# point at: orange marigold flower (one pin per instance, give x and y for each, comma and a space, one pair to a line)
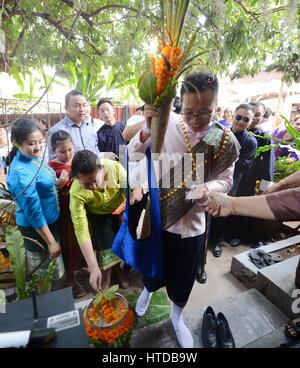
109, 336
167, 66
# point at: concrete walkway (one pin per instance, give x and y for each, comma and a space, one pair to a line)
220, 284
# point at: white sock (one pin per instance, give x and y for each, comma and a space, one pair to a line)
143, 301
183, 334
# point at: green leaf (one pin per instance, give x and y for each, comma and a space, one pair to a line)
265, 148
46, 282
284, 167
32, 284
98, 297
20, 80
16, 249
168, 93
292, 131
110, 293
158, 311
148, 88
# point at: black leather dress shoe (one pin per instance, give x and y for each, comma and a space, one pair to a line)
217, 249
224, 335
209, 329
201, 276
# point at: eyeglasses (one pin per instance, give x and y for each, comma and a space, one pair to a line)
245, 119
190, 116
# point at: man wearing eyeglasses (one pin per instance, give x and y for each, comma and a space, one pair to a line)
184, 228
232, 228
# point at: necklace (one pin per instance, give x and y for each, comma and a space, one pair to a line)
189, 147
194, 165
224, 141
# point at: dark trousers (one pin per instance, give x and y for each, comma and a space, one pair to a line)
227, 228
181, 260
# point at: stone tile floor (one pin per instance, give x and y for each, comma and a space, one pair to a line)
220, 284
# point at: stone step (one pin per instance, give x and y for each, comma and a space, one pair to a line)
277, 283
246, 272
271, 340
251, 316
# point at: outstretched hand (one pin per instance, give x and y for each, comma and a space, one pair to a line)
220, 205
95, 278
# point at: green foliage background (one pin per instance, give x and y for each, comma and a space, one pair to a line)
107, 48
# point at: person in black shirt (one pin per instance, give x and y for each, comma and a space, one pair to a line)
262, 168
110, 134
232, 228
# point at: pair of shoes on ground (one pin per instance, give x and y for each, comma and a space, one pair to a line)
216, 332
217, 249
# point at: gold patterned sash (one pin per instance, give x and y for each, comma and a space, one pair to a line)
173, 203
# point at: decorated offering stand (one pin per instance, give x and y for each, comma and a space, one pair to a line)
109, 319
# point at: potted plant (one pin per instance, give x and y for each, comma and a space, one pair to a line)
25, 283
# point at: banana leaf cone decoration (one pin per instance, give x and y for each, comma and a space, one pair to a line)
157, 86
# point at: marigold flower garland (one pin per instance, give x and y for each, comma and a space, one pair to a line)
167, 66
109, 336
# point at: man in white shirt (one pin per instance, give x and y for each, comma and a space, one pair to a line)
75, 123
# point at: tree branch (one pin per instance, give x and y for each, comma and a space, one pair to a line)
57, 25
274, 10
66, 33
88, 42
83, 52
14, 11
19, 41
83, 15
247, 10
112, 6
87, 16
